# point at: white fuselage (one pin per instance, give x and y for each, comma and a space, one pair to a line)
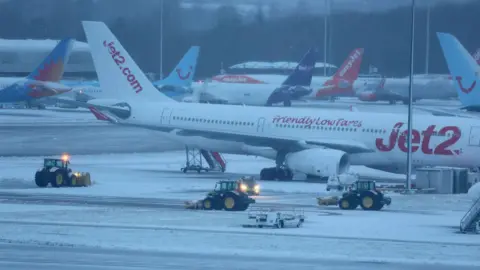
423, 87
240, 129
235, 93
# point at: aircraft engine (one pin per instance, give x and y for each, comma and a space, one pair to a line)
318, 162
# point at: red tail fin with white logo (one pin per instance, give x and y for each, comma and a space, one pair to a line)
342, 81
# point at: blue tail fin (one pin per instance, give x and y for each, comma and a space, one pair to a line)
52, 67
184, 72
302, 75
463, 68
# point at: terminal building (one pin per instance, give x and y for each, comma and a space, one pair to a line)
20, 57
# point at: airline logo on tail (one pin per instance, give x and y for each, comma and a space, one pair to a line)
464, 89
120, 60
186, 76
51, 69
342, 82
352, 58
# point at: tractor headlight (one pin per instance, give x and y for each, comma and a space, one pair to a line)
77, 174
256, 189
243, 187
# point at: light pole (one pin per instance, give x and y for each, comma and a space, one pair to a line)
427, 52
410, 101
325, 37
161, 39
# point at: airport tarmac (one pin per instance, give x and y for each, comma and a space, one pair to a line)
48, 257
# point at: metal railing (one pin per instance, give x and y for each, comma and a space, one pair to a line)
470, 216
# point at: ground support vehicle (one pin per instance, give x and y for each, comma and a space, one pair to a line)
227, 196
57, 173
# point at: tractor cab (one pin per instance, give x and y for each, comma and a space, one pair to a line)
364, 185
57, 162
223, 186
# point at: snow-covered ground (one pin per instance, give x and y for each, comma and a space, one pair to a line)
46, 117
152, 174
351, 236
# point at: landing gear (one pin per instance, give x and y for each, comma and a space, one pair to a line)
281, 173
287, 103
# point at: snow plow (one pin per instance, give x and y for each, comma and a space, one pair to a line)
365, 194
227, 196
57, 173
329, 200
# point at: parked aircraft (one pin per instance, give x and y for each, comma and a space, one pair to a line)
310, 141
42, 82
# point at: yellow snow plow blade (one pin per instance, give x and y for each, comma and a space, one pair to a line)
329, 200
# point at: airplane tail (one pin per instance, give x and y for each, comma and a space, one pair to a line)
184, 72
119, 76
463, 68
53, 66
302, 75
342, 81
476, 56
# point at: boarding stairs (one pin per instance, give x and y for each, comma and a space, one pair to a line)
196, 157
470, 221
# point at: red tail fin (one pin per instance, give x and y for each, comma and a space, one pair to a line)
351, 67
476, 56
342, 81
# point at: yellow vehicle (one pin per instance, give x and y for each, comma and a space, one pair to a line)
329, 200
57, 173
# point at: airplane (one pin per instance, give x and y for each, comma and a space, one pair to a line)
342, 81
426, 86
43, 82
464, 70
315, 142
295, 86
175, 85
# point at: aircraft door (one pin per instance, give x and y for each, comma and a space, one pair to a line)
166, 113
474, 139
260, 124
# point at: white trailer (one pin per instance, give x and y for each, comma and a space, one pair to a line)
276, 219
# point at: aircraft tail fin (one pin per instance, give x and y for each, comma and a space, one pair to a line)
119, 75
350, 67
184, 72
342, 81
476, 56
51, 69
463, 69
302, 75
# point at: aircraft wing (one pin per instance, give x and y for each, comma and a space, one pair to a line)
439, 112
348, 146
116, 110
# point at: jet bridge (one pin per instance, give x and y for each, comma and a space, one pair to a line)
471, 220
195, 158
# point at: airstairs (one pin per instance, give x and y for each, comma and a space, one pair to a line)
196, 157
470, 221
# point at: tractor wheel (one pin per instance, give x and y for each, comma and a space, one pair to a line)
58, 180
207, 204
229, 203
369, 201
40, 180
75, 181
345, 204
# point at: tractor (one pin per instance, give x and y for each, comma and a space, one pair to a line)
227, 196
58, 173
365, 194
